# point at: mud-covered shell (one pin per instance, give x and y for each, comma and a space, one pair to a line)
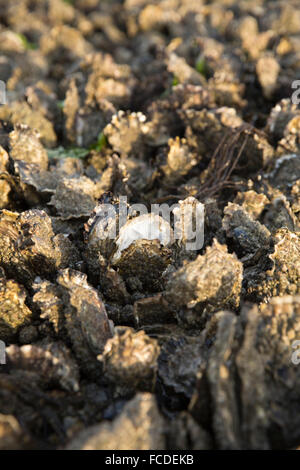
86, 311
213, 281
252, 202
153, 310
184, 432
145, 261
51, 362
279, 214
127, 133
20, 112
282, 275
286, 171
130, 359
248, 235
14, 313
25, 145
180, 160
12, 436
257, 346
178, 364
29, 246
74, 197
140, 426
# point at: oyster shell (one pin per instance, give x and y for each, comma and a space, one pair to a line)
267, 69
183, 72
281, 273
21, 113
130, 359
75, 309
286, 171
144, 260
139, 427
12, 436
257, 346
25, 146
180, 109
179, 361
143, 227
85, 315
180, 160
252, 202
184, 432
4, 160
248, 236
50, 362
126, 134
29, 246
14, 313
107, 80
74, 197
211, 281
206, 129
84, 122
66, 38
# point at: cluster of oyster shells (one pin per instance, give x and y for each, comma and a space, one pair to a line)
117, 330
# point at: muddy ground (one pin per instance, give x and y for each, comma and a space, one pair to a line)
137, 341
